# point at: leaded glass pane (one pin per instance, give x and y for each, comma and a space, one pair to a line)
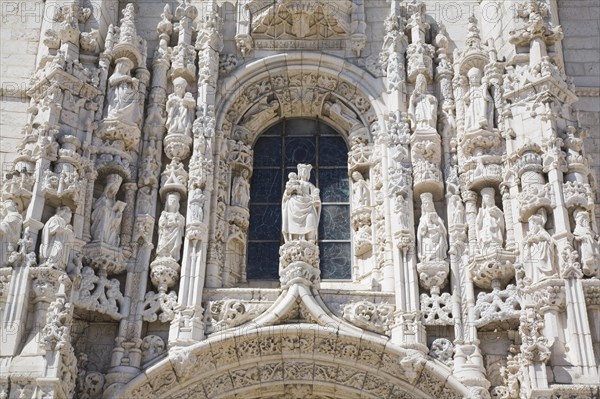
335, 223
334, 185
277, 153
335, 260
300, 150
263, 260
265, 222
267, 152
333, 151
301, 127
266, 186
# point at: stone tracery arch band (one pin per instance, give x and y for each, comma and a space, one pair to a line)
246, 360
278, 76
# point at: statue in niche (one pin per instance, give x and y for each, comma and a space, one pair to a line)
422, 109
11, 226
480, 103
170, 229
300, 206
490, 222
123, 100
539, 250
431, 233
180, 109
360, 191
197, 199
586, 241
240, 190
57, 235
107, 213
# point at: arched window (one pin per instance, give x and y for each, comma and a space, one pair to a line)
276, 153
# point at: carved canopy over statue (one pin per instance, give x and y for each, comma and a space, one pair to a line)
107, 213
422, 109
300, 206
57, 235
123, 100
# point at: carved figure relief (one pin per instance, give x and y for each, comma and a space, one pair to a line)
57, 236
490, 222
123, 97
422, 109
432, 235
361, 196
196, 207
171, 227
11, 225
539, 249
587, 242
480, 103
107, 213
180, 109
240, 190
300, 206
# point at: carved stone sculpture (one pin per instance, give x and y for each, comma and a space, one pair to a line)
196, 207
480, 104
180, 109
11, 225
170, 229
422, 109
107, 213
300, 206
431, 233
490, 222
360, 191
539, 249
123, 99
240, 190
587, 242
57, 236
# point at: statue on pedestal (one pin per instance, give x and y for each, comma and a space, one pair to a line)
431, 233
57, 235
171, 227
107, 213
11, 225
586, 241
490, 222
180, 109
300, 207
123, 100
480, 103
422, 109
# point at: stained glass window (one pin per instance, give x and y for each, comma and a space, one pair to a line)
276, 153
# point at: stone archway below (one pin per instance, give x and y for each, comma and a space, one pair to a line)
291, 361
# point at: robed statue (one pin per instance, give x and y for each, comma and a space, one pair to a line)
300, 207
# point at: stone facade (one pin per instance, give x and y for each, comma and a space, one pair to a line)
131, 159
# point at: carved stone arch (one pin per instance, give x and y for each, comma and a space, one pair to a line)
293, 360
301, 83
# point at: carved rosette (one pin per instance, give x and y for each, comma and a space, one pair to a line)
299, 263
376, 317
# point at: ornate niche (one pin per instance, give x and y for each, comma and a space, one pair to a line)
300, 24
